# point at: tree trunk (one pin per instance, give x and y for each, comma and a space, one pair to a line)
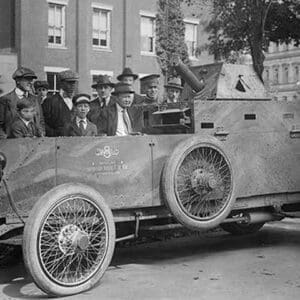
258, 56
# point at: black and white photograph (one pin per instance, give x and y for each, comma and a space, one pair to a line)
150, 149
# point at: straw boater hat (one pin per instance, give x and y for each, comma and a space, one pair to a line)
127, 72
103, 80
123, 88
174, 83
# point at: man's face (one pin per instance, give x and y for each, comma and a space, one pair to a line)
128, 80
42, 92
25, 84
27, 113
152, 92
69, 87
173, 94
125, 100
104, 91
82, 110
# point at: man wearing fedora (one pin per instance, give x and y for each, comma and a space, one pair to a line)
122, 118
58, 108
173, 90
128, 77
151, 87
98, 106
23, 78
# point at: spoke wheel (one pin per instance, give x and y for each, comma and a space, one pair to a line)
68, 240
198, 183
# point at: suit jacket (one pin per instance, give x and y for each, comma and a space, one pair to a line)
71, 129
57, 115
8, 112
138, 99
97, 113
19, 129
110, 120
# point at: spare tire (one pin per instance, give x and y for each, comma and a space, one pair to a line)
198, 183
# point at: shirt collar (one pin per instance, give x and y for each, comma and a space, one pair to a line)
78, 120
63, 94
25, 121
19, 93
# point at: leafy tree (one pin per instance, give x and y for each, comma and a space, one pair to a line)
252, 24
170, 33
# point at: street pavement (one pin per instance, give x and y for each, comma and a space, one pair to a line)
214, 265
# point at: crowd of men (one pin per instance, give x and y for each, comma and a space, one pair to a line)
30, 111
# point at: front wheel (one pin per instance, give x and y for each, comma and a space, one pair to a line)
68, 240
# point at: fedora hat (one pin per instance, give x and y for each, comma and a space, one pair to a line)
103, 80
123, 88
127, 72
175, 83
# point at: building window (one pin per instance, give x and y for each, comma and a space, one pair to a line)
296, 73
56, 24
267, 75
147, 34
101, 27
52, 77
286, 74
276, 76
191, 38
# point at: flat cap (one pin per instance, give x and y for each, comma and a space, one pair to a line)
41, 84
23, 72
68, 75
81, 98
151, 80
123, 88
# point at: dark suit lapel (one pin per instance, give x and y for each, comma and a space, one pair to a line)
75, 128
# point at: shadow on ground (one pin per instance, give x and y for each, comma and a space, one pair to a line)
17, 284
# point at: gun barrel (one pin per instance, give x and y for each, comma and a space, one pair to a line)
189, 77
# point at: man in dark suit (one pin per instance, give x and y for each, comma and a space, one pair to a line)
98, 106
8, 103
129, 77
122, 118
58, 108
80, 125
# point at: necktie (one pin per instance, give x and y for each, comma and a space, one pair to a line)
31, 129
81, 126
127, 121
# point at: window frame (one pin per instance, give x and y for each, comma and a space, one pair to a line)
195, 23
61, 4
107, 9
55, 71
149, 15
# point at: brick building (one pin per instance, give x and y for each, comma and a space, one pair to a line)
90, 36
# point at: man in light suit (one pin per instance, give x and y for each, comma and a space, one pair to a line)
8, 103
80, 125
122, 118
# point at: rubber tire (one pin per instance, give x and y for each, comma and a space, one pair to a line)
168, 191
241, 229
31, 231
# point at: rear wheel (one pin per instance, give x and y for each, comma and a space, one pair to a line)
198, 183
68, 240
241, 228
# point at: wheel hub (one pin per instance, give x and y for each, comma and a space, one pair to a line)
72, 239
202, 181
